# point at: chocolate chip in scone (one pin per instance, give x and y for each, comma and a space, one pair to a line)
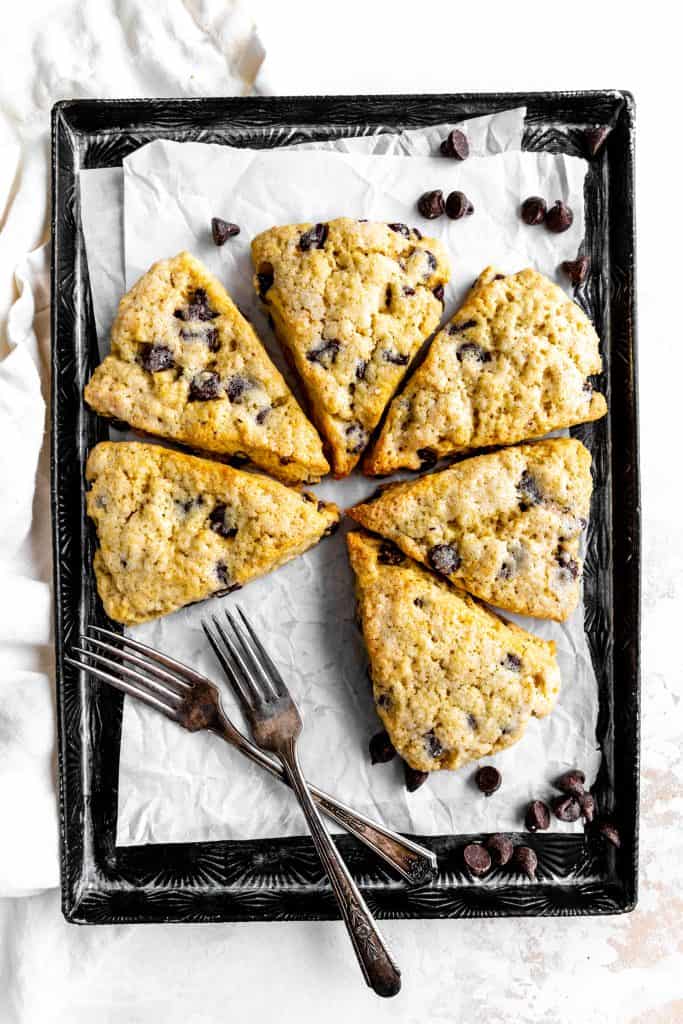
431, 261
572, 782
455, 145
588, 386
431, 204
401, 229
413, 778
314, 238
325, 354
222, 573
433, 744
529, 491
472, 722
525, 860
408, 291
577, 270
501, 849
488, 779
533, 210
383, 700
361, 367
568, 565
356, 438
221, 521
458, 328
397, 358
204, 387
428, 457
389, 554
438, 293
559, 217
444, 558
609, 833
566, 808
155, 358
477, 859
587, 802
537, 817
381, 748
594, 138
512, 662
237, 386
262, 414
198, 308
222, 230
265, 278
458, 206
388, 295
418, 602
470, 350
417, 234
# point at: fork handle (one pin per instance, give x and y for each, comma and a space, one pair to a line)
379, 969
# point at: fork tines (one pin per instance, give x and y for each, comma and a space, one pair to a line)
246, 662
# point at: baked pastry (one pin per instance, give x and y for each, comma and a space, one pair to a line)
174, 529
452, 682
505, 527
514, 363
351, 302
186, 365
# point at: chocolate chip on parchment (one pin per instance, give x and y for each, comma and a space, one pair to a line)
501, 849
571, 781
381, 748
477, 859
431, 204
533, 210
413, 778
314, 238
458, 206
204, 387
455, 145
155, 358
222, 230
525, 860
488, 779
566, 808
577, 270
537, 817
444, 558
559, 218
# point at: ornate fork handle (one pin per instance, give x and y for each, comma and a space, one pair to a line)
381, 973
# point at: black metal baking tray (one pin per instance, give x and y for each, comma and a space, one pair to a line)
281, 878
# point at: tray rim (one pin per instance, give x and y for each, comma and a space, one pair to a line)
77, 903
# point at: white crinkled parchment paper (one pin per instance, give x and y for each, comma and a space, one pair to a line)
174, 786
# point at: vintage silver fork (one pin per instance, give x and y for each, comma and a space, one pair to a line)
192, 700
276, 725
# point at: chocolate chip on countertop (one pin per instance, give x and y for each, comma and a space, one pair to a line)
594, 138
500, 848
572, 782
455, 145
444, 558
314, 238
533, 210
577, 270
587, 802
559, 217
477, 859
431, 204
381, 748
609, 833
222, 230
488, 779
525, 860
537, 818
413, 778
458, 205
567, 808
204, 387
155, 358
389, 554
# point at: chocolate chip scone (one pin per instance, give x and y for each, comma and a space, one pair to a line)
506, 527
174, 529
452, 682
186, 365
351, 302
514, 363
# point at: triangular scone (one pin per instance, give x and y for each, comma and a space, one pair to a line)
174, 529
186, 365
505, 527
452, 682
514, 363
351, 302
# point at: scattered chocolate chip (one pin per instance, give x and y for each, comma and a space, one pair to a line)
265, 282
222, 573
427, 457
566, 808
444, 558
470, 350
559, 217
512, 662
431, 204
572, 782
222, 230
314, 238
458, 206
610, 833
455, 145
577, 270
221, 522
533, 210
389, 554
356, 438
433, 744
537, 816
237, 387
568, 564
458, 328
500, 848
384, 700
413, 778
262, 414
587, 802
525, 860
408, 291
401, 229
594, 138
477, 859
397, 358
381, 748
204, 387
488, 779
325, 354
155, 358
198, 308
529, 491
438, 293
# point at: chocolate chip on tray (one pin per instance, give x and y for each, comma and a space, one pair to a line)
444, 558
381, 748
477, 859
488, 779
537, 818
566, 808
500, 848
572, 782
431, 204
577, 270
525, 860
559, 217
458, 205
533, 210
455, 145
222, 230
413, 778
